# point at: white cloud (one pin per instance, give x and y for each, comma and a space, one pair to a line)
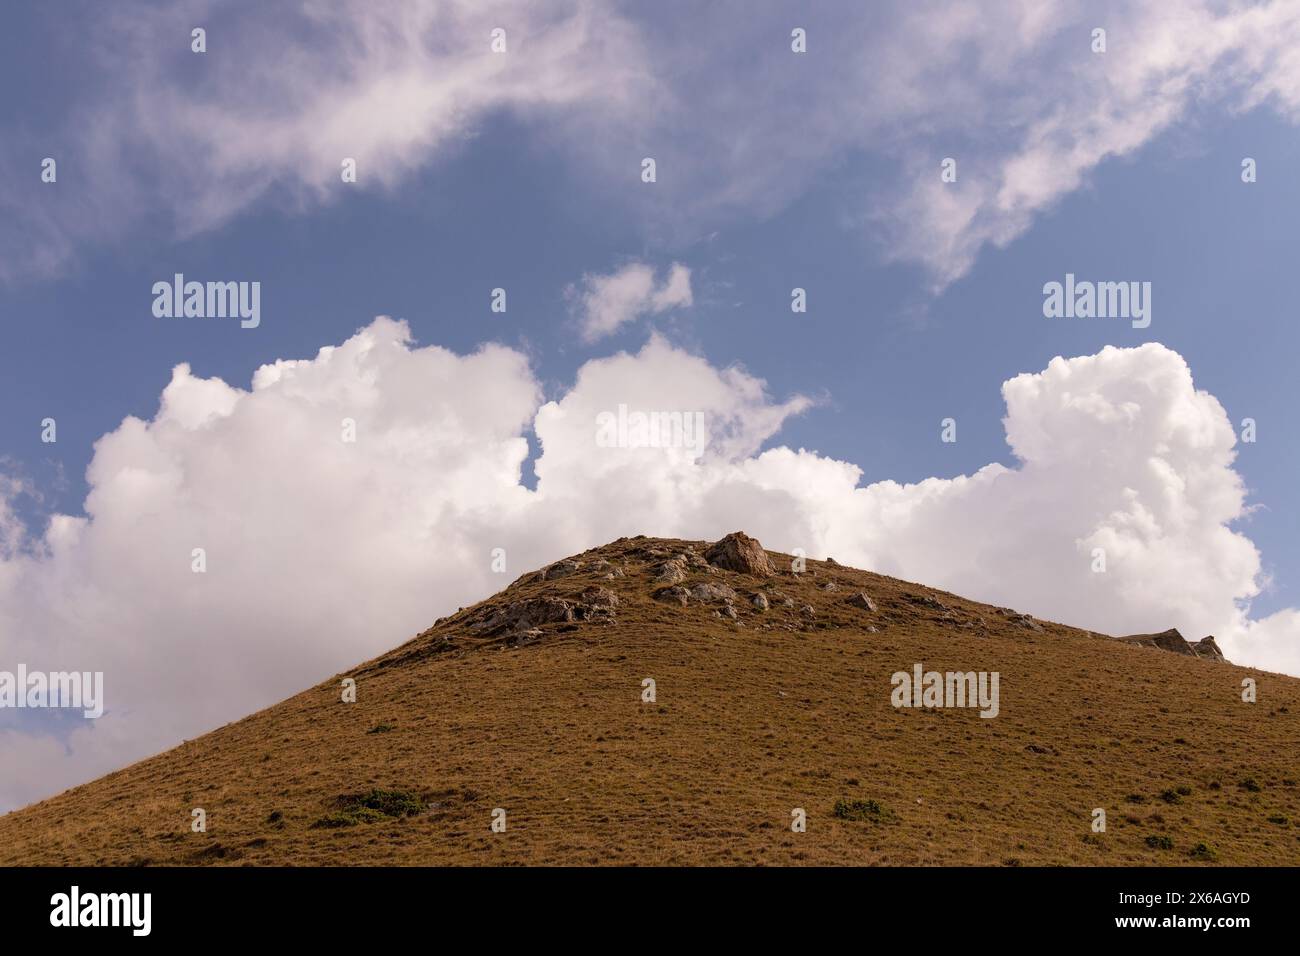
284, 94
605, 303
1053, 110
323, 553
1010, 89
740, 126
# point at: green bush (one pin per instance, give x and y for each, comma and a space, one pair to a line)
391, 803
862, 810
372, 806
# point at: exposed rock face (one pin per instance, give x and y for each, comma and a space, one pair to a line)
703, 579
674, 595
1020, 620
1170, 640
1206, 647
599, 597
693, 560
861, 600
927, 600
708, 592
523, 616
560, 569
1173, 640
606, 570
741, 553
671, 572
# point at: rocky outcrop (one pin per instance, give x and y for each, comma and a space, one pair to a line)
1172, 640
597, 597
673, 595
740, 553
606, 570
519, 616
863, 601
1018, 619
1206, 647
927, 601
735, 580
708, 592
525, 617
560, 569
671, 572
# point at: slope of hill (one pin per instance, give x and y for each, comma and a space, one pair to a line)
772, 694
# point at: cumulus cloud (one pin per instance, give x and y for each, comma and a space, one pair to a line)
322, 552
739, 125
605, 303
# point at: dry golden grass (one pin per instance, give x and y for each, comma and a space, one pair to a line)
750, 722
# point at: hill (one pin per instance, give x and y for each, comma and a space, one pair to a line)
773, 692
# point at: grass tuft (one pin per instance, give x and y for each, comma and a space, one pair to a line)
862, 810
371, 807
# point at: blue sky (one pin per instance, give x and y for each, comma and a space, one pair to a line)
533, 198
891, 358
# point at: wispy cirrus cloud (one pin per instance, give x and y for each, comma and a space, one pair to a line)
739, 124
160, 136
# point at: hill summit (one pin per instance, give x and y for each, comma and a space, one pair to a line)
665, 701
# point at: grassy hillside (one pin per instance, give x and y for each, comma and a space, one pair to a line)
532, 702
